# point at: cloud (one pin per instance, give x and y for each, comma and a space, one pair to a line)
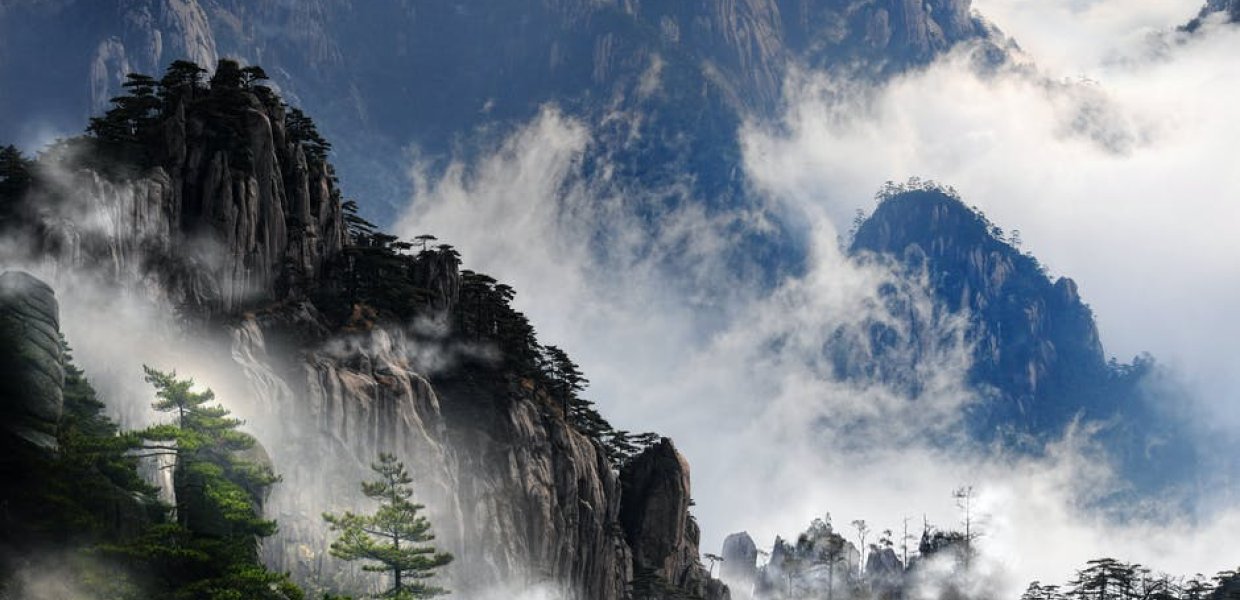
1122, 182
1119, 180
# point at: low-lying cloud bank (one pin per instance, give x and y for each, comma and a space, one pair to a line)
1122, 182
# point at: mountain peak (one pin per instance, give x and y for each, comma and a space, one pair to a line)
1036, 346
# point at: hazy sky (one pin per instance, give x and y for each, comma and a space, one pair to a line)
1111, 152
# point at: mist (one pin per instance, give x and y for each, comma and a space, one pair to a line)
1106, 165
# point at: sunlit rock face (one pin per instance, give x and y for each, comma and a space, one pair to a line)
514, 493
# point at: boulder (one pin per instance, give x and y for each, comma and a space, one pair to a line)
32, 360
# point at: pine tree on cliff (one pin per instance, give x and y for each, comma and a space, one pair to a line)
393, 539
15, 179
211, 551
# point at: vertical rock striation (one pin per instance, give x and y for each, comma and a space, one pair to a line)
32, 387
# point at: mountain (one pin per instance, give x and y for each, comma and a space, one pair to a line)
662, 86
1038, 365
213, 199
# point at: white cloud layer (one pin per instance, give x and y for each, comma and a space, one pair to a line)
1122, 181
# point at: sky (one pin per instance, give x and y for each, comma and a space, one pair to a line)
1109, 148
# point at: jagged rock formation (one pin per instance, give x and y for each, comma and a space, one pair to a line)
885, 573
820, 563
31, 390
225, 210
217, 223
740, 561
655, 504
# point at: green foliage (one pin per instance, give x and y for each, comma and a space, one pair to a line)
1111, 579
210, 551
15, 179
94, 458
392, 540
302, 130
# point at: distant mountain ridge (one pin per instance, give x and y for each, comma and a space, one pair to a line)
381, 76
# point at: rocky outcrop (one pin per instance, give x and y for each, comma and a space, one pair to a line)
491, 457
227, 212
214, 227
31, 390
1037, 363
656, 521
885, 573
740, 562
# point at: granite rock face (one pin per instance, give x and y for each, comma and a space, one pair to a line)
213, 227
31, 358
655, 517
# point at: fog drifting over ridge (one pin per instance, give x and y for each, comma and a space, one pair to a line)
1120, 181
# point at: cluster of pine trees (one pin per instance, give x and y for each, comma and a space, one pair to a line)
1111, 579
379, 277
403, 280
93, 506
97, 514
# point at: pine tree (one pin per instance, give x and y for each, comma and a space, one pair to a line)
211, 550
393, 538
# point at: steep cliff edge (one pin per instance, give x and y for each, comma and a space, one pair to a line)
208, 191
338, 342
656, 503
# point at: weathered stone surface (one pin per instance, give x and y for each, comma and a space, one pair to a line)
32, 363
212, 235
655, 516
518, 496
740, 561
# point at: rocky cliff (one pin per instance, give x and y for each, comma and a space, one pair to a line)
32, 389
335, 345
656, 503
223, 211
